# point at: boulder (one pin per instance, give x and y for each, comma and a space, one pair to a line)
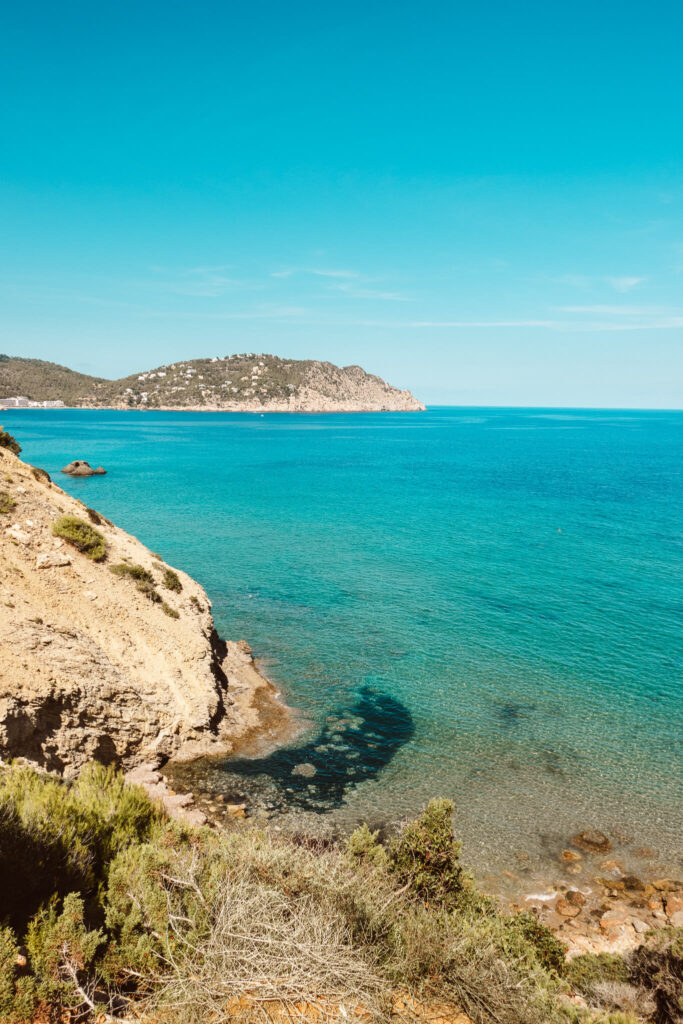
81, 468
592, 841
52, 560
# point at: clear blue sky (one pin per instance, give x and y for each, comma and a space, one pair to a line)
482, 202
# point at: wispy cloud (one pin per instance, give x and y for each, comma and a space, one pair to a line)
621, 284
203, 282
356, 292
334, 273
624, 284
279, 313
617, 310
318, 271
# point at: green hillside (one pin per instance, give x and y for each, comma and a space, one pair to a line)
43, 381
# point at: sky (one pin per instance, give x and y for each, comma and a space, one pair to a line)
481, 202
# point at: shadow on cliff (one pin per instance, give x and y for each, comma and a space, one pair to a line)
353, 746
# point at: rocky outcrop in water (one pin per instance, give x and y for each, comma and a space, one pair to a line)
81, 468
117, 666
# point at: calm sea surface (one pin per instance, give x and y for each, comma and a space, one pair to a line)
484, 604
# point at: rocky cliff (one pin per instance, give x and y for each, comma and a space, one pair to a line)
236, 383
123, 665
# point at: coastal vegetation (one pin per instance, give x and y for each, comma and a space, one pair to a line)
7, 503
171, 581
82, 536
7, 441
113, 912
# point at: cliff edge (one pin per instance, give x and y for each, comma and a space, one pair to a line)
121, 666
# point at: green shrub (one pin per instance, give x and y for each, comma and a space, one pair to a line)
62, 951
171, 581
363, 847
143, 579
57, 838
426, 856
81, 536
7, 503
586, 971
133, 572
657, 966
551, 953
171, 612
17, 994
7, 441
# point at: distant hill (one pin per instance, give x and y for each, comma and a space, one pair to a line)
44, 382
246, 382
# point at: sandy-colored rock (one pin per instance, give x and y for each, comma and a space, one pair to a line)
673, 903
82, 468
566, 909
90, 668
52, 560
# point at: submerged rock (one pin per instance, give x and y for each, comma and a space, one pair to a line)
81, 468
592, 841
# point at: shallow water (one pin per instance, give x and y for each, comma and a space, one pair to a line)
483, 604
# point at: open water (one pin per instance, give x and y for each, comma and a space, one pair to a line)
484, 604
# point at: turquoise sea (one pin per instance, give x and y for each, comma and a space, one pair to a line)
484, 604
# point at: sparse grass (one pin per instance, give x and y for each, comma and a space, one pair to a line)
194, 601
7, 503
82, 536
171, 612
171, 581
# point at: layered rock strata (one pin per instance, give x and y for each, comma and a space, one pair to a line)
94, 664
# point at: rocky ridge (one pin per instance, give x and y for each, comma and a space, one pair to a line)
93, 666
246, 382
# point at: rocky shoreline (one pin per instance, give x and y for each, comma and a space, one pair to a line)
106, 652
600, 907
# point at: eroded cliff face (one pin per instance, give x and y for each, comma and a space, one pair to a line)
90, 666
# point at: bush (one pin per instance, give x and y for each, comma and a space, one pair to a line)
56, 838
550, 951
143, 579
7, 503
426, 856
7, 441
133, 572
171, 612
17, 994
171, 581
586, 971
658, 966
363, 847
81, 536
62, 952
